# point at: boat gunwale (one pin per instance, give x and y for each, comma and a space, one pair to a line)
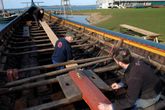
147, 45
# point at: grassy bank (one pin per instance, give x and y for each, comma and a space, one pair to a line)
152, 19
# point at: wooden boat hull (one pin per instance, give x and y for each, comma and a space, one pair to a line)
7, 19
30, 81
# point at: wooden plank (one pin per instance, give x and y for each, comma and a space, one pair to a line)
50, 105
70, 90
71, 65
96, 80
142, 31
26, 32
53, 38
90, 93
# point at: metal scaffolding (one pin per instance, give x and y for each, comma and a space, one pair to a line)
66, 7
1, 6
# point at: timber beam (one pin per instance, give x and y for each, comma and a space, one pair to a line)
90, 93
49, 66
32, 41
56, 73
30, 52
70, 90
45, 67
47, 50
30, 46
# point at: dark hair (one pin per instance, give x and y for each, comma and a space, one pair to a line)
122, 55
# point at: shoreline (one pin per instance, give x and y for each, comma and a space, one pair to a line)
95, 18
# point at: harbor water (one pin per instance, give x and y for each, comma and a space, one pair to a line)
2, 25
77, 18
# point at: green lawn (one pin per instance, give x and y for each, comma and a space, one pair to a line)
152, 19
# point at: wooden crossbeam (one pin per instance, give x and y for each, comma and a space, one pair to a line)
33, 41
69, 88
55, 73
90, 93
52, 104
96, 80
31, 46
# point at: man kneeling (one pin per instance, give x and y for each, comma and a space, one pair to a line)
143, 85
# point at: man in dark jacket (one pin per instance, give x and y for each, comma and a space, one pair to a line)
143, 85
38, 14
63, 50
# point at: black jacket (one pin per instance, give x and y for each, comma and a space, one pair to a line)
62, 51
141, 81
38, 14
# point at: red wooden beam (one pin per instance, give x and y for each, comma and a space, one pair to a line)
90, 93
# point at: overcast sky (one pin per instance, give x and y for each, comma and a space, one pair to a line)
18, 4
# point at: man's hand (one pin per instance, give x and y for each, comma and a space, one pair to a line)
103, 106
116, 86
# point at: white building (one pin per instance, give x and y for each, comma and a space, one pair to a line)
104, 3
128, 3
